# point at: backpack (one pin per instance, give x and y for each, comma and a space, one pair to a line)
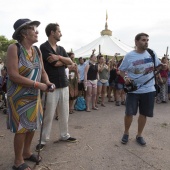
80, 104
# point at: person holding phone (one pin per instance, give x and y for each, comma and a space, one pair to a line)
26, 77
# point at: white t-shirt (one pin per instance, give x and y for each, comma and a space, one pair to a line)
135, 65
67, 72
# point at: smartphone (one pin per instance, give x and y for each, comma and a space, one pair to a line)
51, 87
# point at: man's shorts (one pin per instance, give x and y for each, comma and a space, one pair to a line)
81, 86
144, 101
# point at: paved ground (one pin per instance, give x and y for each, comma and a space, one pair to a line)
98, 146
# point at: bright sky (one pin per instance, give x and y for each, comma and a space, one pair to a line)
81, 21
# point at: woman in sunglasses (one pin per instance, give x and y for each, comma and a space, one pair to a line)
25, 69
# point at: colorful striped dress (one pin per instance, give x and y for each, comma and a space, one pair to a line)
24, 103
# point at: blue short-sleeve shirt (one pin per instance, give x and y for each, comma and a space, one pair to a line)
136, 65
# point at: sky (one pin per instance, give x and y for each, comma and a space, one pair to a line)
81, 21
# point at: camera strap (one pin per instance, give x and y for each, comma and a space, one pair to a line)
155, 68
153, 57
155, 73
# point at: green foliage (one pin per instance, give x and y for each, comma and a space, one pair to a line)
4, 43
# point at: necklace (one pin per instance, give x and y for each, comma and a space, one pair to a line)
29, 54
32, 54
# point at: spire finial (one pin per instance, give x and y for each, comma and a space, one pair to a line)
106, 16
106, 26
106, 31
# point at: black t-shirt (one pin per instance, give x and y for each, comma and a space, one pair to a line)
56, 75
113, 75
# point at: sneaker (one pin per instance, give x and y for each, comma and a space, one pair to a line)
164, 102
140, 140
117, 103
158, 101
70, 139
39, 147
125, 139
123, 103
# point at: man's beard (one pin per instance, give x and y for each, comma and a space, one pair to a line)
57, 39
146, 46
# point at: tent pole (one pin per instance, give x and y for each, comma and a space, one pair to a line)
166, 52
99, 49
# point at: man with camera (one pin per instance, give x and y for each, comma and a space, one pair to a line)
136, 68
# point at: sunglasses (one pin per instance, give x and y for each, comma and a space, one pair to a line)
33, 27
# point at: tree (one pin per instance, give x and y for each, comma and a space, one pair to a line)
4, 43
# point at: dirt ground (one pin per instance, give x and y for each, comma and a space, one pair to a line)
98, 147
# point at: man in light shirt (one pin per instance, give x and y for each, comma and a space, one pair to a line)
138, 66
81, 68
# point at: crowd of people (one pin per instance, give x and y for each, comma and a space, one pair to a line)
54, 72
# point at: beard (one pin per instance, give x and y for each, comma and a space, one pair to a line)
146, 46
58, 39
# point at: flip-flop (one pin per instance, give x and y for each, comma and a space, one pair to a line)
21, 167
33, 158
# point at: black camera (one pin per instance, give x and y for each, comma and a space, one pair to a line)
132, 86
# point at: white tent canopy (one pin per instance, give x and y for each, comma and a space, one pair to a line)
108, 46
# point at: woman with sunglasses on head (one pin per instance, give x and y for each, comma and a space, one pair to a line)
25, 69
102, 83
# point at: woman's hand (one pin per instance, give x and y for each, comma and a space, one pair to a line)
49, 87
106, 66
42, 86
161, 81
